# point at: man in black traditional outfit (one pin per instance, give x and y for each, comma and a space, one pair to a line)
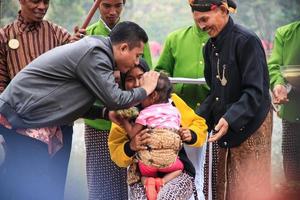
238, 106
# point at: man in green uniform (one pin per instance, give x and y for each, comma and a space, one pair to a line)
182, 57
286, 53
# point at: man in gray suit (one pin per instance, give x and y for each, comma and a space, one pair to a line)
55, 89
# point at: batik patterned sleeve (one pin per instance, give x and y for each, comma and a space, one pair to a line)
4, 76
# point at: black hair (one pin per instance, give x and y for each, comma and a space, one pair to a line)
164, 88
142, 65
128, 32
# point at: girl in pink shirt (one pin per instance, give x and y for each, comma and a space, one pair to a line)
161, 154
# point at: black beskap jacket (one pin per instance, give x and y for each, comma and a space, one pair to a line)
244, 101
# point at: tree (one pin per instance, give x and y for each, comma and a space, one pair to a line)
66, 13
8, 11
163, 16
264, 17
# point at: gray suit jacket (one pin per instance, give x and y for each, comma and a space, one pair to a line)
61, 85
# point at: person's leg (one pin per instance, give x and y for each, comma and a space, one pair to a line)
105, 179
137, 192
291, 150
177, 165
180, 187
248, 168
148, 173
170, 172
146, 170
197, 156
58, 164
25, 173
212, 177
170, 176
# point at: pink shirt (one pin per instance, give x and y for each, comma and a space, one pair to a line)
163, 115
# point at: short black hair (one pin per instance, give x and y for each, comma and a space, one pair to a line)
128, 32
142, 66
164, 88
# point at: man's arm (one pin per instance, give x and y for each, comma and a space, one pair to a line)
275, 61
95, 71
277, 82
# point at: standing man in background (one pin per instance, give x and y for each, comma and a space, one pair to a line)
105, 179
182, 57
21, 42
286, 52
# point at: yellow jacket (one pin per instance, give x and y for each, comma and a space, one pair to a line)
189, 119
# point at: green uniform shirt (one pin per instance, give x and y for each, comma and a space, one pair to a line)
100, 28
286, 51
182, 57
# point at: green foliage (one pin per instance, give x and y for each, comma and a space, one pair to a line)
161, 18
8, 11
264, 17
66, 13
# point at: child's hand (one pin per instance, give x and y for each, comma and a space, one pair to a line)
185, 134
129, 113
123, 121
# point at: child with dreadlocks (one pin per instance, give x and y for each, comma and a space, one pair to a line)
160, 157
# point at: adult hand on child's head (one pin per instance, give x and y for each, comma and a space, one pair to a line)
140, 140
185, 134
149, 81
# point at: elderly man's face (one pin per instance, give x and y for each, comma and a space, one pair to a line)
212, 21
34, 10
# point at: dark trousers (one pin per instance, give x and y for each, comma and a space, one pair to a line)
29, 172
